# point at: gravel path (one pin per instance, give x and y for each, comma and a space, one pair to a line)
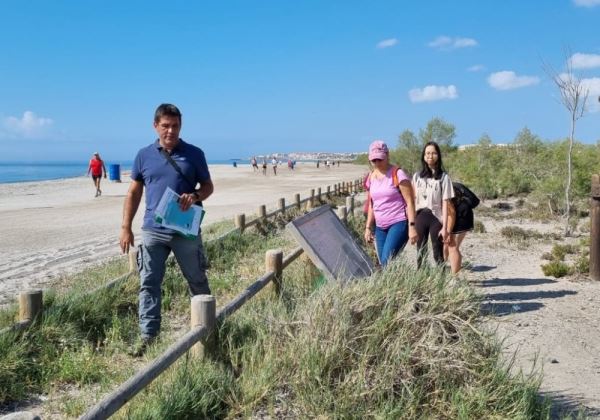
552, 324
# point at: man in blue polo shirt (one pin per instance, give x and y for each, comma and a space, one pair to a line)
168, 162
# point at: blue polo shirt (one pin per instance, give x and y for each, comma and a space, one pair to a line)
153, 169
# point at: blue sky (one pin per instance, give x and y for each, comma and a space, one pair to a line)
254, 77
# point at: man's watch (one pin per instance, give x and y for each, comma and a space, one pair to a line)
411, 223
195, 194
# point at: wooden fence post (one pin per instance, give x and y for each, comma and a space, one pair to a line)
335, 189
319, 194
262, 212
204, 313
350, 204
328, 191
240, 222
133, 268
282, 205
312, 197
595, 230
297, 200
274, 263
341, 212
30, 304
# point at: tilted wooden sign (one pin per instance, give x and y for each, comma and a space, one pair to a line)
330, 246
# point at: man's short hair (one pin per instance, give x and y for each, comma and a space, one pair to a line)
168, 110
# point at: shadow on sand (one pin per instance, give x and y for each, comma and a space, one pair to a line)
506, 303
512, 282
533, 295
569, 406
503, 308
481, 268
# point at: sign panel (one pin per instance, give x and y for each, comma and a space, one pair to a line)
330, 246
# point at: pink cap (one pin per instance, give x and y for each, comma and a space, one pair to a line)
378, 150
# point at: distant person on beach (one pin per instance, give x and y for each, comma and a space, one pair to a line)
391, 205
274, 164
168, 162
433, 191
254, 164
96, 167
264, 167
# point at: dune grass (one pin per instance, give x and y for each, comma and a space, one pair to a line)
403, 344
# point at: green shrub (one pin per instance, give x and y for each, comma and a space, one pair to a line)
479, 227
582, 265
519, 234
559, 251
555, 269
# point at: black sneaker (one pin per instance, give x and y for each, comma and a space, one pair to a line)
140, 348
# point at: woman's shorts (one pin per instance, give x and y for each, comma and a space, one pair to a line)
464, 219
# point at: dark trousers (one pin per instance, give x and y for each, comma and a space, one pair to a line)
428, 225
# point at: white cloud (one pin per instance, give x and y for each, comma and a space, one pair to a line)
585, 61
29, 126
386, 43
592, 84
506, 80
433, 93
476, 67
447, 43
586, 3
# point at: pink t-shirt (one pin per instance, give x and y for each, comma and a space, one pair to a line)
389, 206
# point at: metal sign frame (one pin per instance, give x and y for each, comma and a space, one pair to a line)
333, 251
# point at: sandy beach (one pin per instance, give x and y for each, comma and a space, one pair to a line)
52, 228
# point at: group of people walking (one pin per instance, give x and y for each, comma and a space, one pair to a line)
418, 209
400, 209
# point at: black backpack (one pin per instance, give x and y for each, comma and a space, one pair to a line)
463, 195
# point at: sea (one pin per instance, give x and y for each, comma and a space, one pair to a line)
45, 171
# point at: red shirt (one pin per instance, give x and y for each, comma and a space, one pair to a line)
96, 166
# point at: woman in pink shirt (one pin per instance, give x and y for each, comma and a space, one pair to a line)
391, 208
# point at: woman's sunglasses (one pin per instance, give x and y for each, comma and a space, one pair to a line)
376, 160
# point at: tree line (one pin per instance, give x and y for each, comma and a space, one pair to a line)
527, 166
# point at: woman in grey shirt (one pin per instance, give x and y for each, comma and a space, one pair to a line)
433, 189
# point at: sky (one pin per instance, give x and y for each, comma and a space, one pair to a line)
258, 77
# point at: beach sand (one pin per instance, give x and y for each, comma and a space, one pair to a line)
53, 228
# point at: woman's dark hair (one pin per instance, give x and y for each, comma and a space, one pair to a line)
426, 172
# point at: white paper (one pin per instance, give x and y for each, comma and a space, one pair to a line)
169, 215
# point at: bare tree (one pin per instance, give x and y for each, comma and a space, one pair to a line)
573, 96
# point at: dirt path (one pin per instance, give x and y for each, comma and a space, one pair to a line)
553, 321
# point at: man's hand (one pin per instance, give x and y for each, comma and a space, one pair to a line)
126, 240
186, 201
